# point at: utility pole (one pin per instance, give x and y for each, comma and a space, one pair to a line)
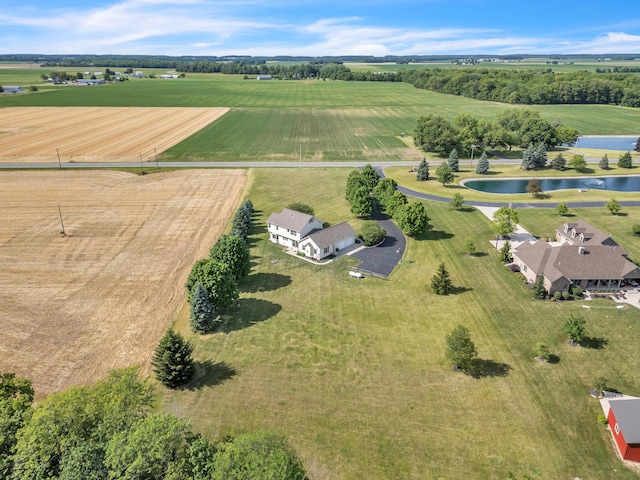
141, 167
61, 222
59, 164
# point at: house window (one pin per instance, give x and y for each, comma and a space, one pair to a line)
295, 244
524, 268
617, 429
326, 249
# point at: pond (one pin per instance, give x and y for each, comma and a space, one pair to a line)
628, 183
608, 143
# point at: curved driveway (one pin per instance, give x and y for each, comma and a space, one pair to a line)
382, 259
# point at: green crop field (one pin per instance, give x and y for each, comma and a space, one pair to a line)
353, 371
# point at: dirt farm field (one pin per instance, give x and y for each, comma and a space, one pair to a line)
96, 134
73, 307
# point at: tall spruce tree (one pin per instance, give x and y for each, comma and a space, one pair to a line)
625, 161
461, 351
604, 162
172, 362
423, 171
440, 282
454, 161
483, 164
233, 251
539, 292
203, 317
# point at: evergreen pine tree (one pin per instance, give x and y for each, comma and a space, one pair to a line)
172, 362
505, 254
558, 162
423, 171
203, 317
454, 160
529, 158
539, 292
483, 164
604, 162
440, 282
625, 161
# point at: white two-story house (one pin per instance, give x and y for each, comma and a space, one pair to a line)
289, 227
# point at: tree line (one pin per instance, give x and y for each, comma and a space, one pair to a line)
109, 431
510, 128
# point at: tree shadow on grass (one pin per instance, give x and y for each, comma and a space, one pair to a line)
465, 209
595, 343
459, 290
434, 235
482, 368
251, 311
264, 282
209, 374
477, 254
620, 214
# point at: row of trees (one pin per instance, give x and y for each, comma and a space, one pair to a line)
530, 87
510, 128
364, 187
108, 431
212, 286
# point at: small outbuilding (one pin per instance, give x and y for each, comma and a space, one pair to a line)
623, 416
264, 77
12, 89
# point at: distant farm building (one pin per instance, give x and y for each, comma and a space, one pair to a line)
170, 75
91, 81
264, 77
13, 89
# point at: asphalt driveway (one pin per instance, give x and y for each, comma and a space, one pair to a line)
382, 259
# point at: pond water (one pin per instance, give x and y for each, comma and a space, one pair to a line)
608, 143
629, 183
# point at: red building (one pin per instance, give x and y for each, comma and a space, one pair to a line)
624, 421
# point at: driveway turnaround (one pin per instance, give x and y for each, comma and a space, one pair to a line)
382, 259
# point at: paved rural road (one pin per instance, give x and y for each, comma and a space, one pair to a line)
378, 165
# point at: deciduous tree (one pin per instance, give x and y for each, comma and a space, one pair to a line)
578, 163
362, 203
234, 252
505, 221
412, 218
575, 328
16, 396
457, 201
444, 174
370, 176
613, 206
397, 201
217, 279
384, 190
470, 246
372, 233
562, 208
434, 133
534, 187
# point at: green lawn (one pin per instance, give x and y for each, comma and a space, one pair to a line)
353, 371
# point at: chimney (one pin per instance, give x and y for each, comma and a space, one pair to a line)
581, 250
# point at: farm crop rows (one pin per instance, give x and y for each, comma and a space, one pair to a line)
96, 134
73, 307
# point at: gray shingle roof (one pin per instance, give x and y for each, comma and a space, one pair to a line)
592, 236
329, 236
627, 412
290, 219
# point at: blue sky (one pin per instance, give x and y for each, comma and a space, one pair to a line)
328, 27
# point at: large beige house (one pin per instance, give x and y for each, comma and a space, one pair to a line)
581, 255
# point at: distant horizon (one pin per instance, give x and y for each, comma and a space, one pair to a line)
319, 28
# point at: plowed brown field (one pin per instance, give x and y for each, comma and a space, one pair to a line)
96, 134
73, 307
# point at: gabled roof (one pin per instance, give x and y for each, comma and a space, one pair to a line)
290, 219
627, 413
328, 236
591, 235
596, 260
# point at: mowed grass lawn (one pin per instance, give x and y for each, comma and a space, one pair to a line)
353, 371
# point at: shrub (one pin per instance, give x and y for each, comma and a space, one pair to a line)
602, 420
636, 229
599, 383
566, 295
557, 295
542, 351
576, 291
372, 233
